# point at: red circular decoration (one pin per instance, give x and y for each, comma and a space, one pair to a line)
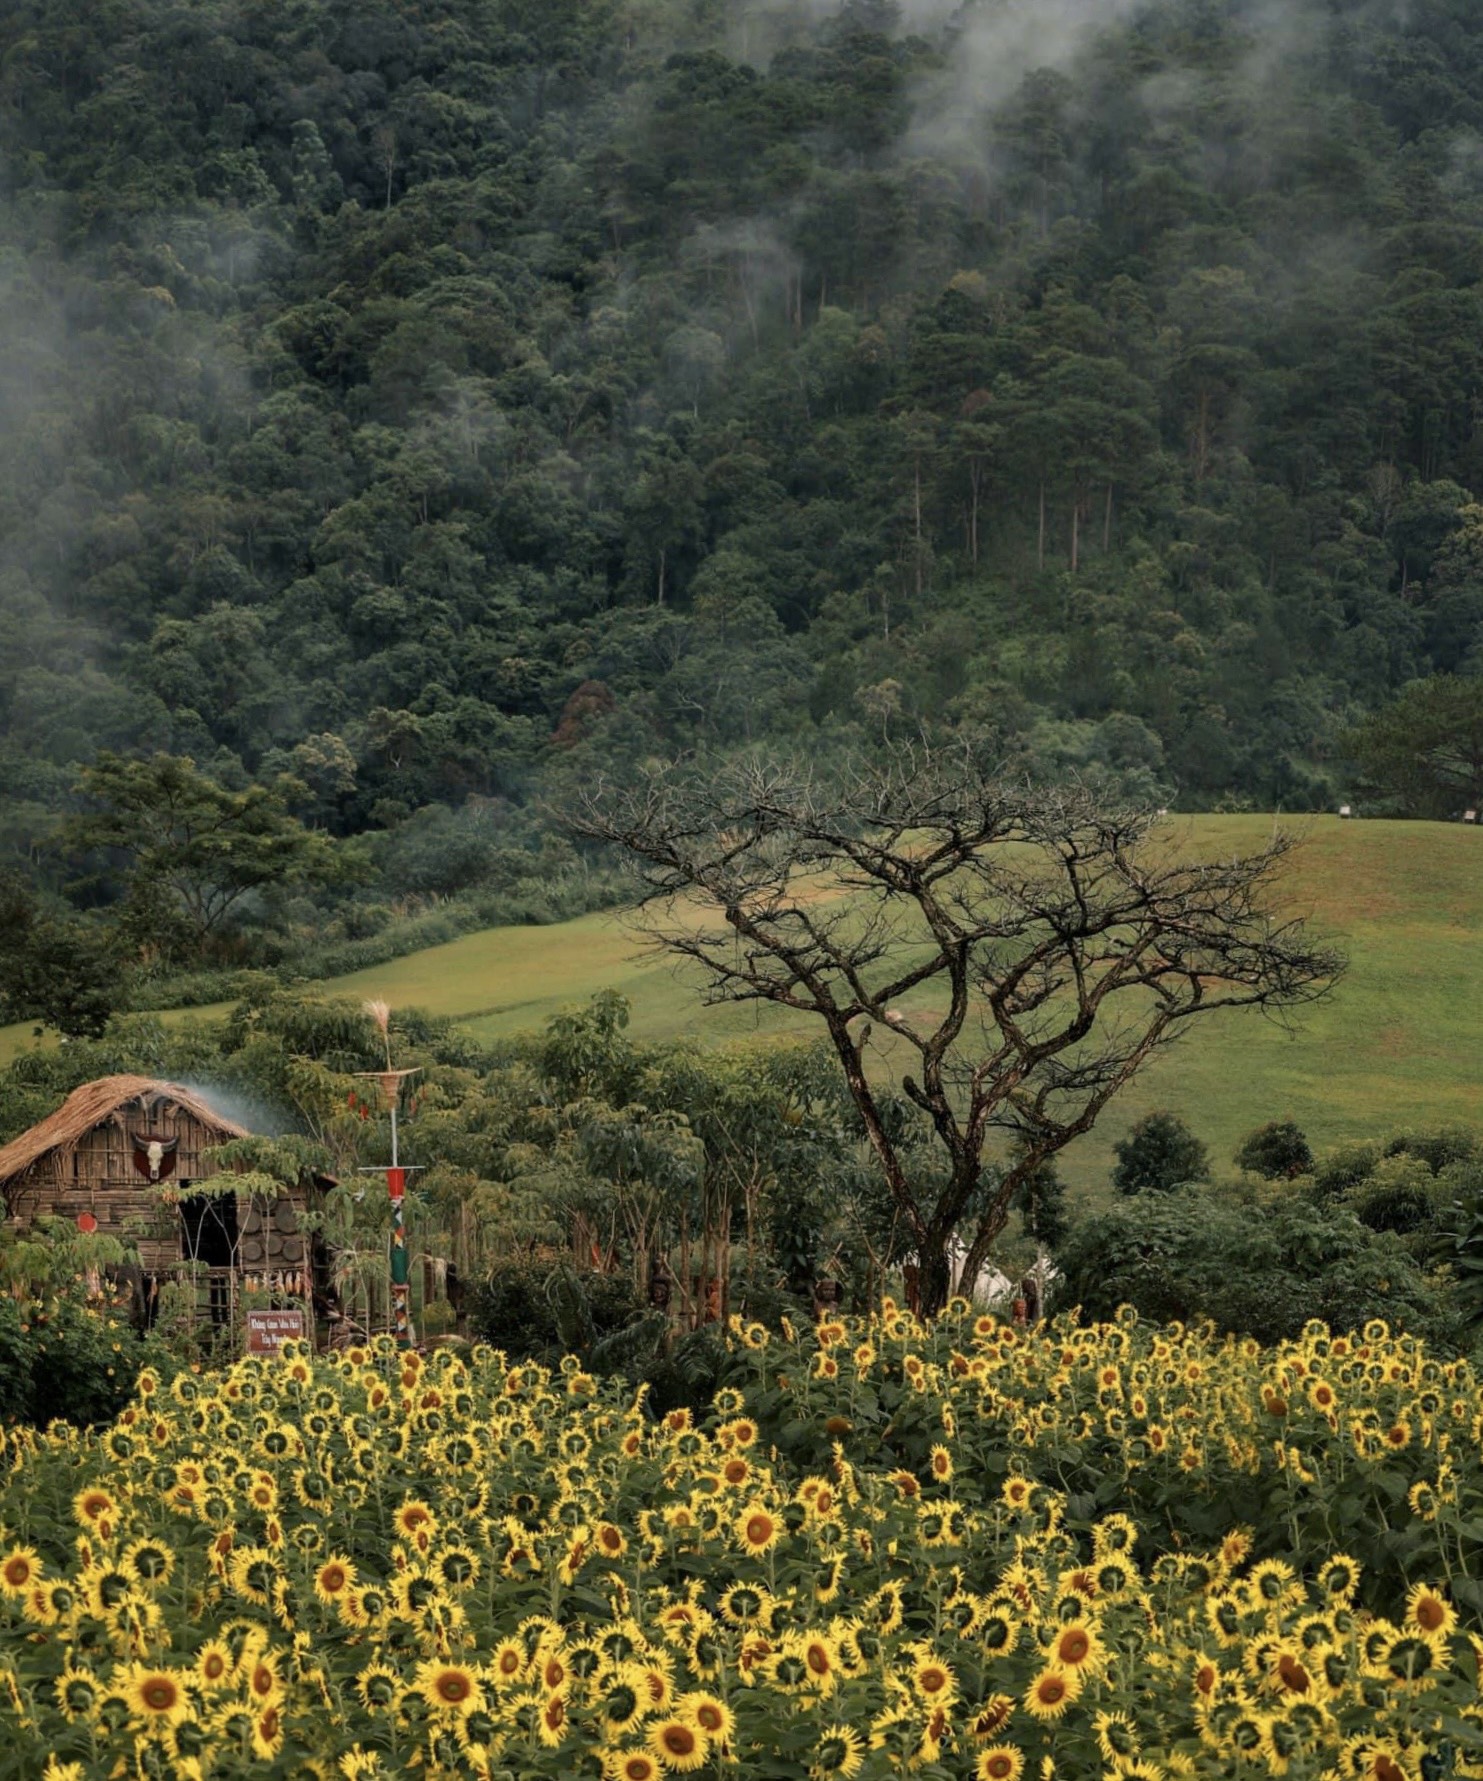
86, 1222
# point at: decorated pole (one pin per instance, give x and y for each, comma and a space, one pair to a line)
396, 1187
390, 1083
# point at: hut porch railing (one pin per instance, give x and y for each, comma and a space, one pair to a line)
214, 1299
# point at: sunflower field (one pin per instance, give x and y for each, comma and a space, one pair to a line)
379, 1564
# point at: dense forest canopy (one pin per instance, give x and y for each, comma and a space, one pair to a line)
425, 399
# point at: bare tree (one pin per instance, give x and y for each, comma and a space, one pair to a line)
1059, 944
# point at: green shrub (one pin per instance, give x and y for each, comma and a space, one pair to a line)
1439, 1150
1278, 1150
1254, 1268
1397, 1195
1342, 1170
1158, 1155
70, 1360
534, 1308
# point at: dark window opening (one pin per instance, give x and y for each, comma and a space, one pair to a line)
208, 1229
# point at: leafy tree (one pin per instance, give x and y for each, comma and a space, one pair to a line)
194, 842
1041, 1202
1423, 755
56, 969
1278, 1151
1044, 916
1158, 1155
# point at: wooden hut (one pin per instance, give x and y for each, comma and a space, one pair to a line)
126, 1151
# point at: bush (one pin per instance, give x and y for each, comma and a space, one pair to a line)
1278, 1150
1254, 1268
1158, 1155
538, 1307
69, 1360
1342, 1170
1396, 1195
1439, 1150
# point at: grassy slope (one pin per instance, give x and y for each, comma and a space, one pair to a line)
1398, 1044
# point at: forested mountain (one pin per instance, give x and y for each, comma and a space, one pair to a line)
433, 398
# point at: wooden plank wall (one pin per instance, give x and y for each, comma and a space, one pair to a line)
98, 1176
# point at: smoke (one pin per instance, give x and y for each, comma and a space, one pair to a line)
245, 1110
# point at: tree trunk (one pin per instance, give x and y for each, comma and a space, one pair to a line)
934, 1277
1107, 520
917, 520
662, 554
1075, 532
1040, 549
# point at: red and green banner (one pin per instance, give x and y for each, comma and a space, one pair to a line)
396, 1186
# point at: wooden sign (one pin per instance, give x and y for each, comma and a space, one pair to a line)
267, 1331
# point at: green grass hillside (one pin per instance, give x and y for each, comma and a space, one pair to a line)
1400, 1042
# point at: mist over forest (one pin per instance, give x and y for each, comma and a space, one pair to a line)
408, 410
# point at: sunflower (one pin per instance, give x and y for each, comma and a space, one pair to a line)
1017, 1493
992, 1717
334, 1577
449, 1688
1292, 1675
156, 1696
742, 1603
1114, 1534
655, 1682
253, 1573
624, 1699
630, 1765
1000, 1762
1271, 1584
1076, 1647
267, 1732
941, 1463
677, 1745
1376, 1761
609, 1540
1414, 1659
551, 1722
933, 1682
1375, 1642
19, 1569
213, 1665
883, 1611
827, 1579
1338, 1578
412, 1516
1051, 1693
709, 1714
757, 1528
77, 1692
1423, 1500
821, 1659
95, 1508
838, 1751
1247, 1734
1116, 1737
1429, 1611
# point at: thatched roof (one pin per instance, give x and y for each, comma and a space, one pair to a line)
94, 1102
